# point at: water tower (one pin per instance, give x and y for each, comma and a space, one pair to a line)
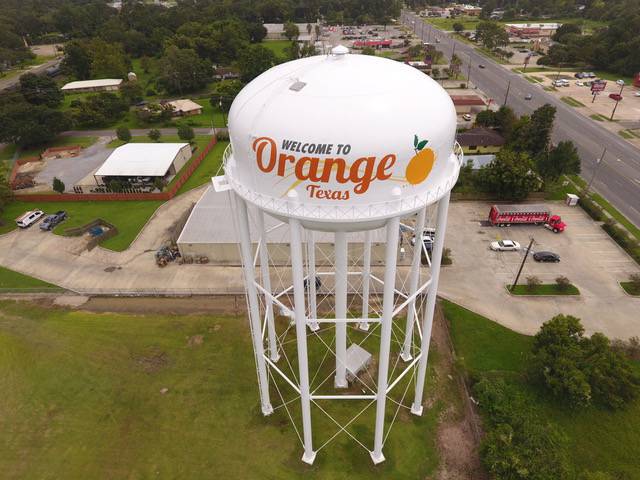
353, 151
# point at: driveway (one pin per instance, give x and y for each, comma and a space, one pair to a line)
72, 170
589, 258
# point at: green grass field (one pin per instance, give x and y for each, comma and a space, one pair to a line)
469, 23
572, 102
207, 168
543, 289
128, 217
7, 152
82, 399
599, 440
11, 281
279, 47
630, 288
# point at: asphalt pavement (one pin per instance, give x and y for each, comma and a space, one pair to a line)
617, 176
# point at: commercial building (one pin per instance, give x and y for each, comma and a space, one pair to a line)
532, 30
100, 85
143, 162
464, 103
275, 31
469, 10
184, 107
209, 232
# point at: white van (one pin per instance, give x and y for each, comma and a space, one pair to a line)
29, 218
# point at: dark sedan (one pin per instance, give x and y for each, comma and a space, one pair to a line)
51, 221
546, 257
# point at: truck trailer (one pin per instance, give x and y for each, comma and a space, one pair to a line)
506, 215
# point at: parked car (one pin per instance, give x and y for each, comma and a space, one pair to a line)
637, 94
466, 117
50, 221
29, 218
580, 75
590, 75
481, 66
546, 257
528, 96
505, 246
615, 96
579, 83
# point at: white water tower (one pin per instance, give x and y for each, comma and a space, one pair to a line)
340, 149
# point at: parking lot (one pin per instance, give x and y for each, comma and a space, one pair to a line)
589, 258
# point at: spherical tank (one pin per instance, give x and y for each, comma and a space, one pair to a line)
342, 141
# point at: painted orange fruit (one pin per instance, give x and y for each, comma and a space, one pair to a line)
419, 167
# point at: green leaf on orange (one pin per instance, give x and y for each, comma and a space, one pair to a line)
415, 140
422, 144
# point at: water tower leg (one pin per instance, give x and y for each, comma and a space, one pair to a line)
414, 278
341, 309
301, 336
311, 279
441, 226
366, 279
266, 284
388, 303
254, 310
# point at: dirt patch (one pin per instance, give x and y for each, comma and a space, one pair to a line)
197, 305
195, 341
152, 361
459, 427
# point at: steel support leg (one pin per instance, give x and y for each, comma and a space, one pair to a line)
301, 337
388, 301
266, 284
414, 278
341, 309
254, 310
311, 278
366, 279
441, 226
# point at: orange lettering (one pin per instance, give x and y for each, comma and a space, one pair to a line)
383, 167
363, 180
259, 144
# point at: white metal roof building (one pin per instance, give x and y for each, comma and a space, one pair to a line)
144, 160
185, 106
104, 84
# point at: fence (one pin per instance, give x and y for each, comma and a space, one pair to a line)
174, 186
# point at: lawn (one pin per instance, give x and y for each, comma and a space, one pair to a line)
7, 151
543, 289
469, 23
572, 102
630, 288
207, 169
599, 440
626, 134
82, 399
129, 217
279, 47
17, 282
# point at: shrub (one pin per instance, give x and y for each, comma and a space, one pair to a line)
158, 183
620, 236
629, 348
222, 136
593, 209
123, 134
154, 134
533, 282
185, 132
58, 185
518, 444
151, 92
563, 283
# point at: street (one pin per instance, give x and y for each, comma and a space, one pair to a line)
618, 176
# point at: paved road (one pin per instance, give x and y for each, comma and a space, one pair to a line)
618, 176
137, 132
8, 82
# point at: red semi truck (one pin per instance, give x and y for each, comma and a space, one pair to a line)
505, 215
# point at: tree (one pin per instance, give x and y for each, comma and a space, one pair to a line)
123, 134
509, 176
224, 92
491, 34
454, 65
185, 132
26, 124
254, 60
291, 31
533, 282
182, 70
154, 134
368, 51
458, 27
562, 159
256, 31
563, 283
6, 193
108, 60
131, 92
565, 29
580, 370
40, 90
58, 185
77, 60
533, 134
98, 110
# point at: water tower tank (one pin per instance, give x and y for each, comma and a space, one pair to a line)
342, 142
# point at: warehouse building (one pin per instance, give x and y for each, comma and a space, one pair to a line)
101, 85
210, 232
139, 163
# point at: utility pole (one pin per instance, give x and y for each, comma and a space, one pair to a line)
469, 73
526, 255
618, 100
595, 170
506, 96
